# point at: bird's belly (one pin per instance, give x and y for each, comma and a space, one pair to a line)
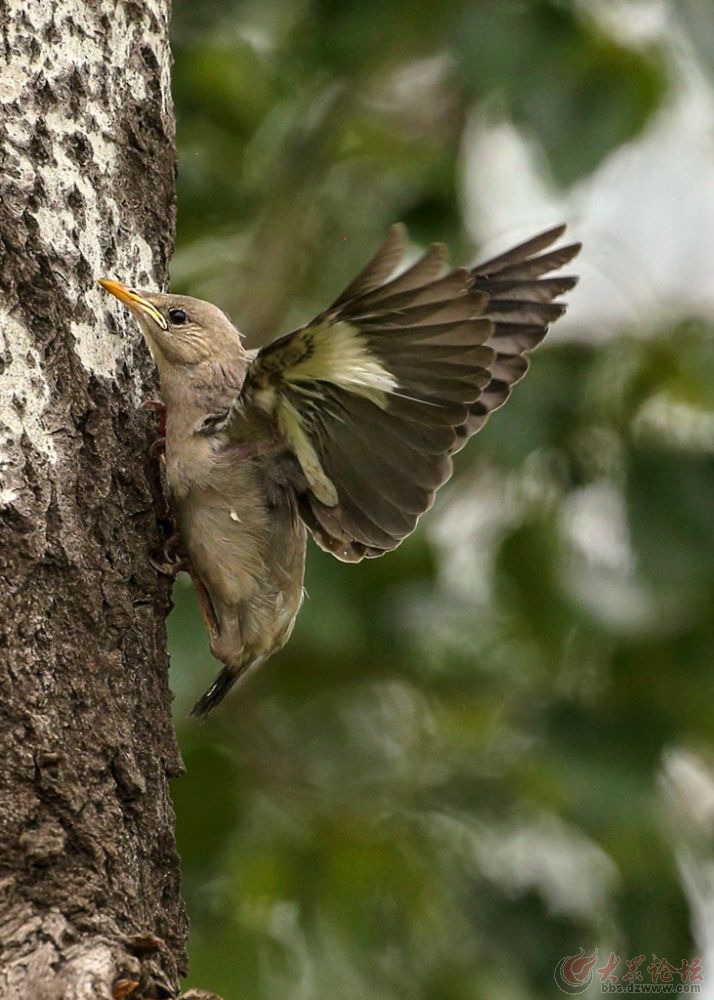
249, 554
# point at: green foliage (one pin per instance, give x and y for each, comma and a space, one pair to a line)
448, 781
562, 79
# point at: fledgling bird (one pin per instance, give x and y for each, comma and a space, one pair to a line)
344, 427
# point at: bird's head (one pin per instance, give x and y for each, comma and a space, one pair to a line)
180, 330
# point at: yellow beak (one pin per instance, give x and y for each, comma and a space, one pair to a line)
133, 301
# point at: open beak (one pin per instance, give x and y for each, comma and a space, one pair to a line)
133, 301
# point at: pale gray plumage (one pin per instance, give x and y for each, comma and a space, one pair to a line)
346, 425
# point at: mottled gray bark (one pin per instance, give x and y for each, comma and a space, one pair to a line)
90, 903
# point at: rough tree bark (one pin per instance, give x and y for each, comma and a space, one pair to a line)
90, 903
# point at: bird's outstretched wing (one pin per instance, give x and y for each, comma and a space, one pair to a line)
375, 394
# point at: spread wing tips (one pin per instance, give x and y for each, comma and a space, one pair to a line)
384, 386
529, 248
521, 294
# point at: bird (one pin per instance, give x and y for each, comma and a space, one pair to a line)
343, 428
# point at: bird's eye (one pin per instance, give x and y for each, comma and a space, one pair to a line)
178, 317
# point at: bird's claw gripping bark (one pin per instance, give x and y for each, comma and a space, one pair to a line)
158, 447
153, 404
174, 561
169, 567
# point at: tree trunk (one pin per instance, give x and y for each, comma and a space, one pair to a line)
90, 903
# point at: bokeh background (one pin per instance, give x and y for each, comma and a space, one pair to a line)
493, 747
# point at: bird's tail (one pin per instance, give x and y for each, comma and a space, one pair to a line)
221, 686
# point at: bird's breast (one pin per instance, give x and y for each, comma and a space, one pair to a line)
190, 463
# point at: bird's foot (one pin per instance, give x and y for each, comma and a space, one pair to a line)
157, 448
160, 410
174, 560
168, 567
153, 404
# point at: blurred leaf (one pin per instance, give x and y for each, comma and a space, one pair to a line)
697, 17
556, 74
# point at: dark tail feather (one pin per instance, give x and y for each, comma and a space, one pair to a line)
220, 688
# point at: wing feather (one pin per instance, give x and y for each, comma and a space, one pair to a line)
467, 333
374, 396
421, 274
456, 283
